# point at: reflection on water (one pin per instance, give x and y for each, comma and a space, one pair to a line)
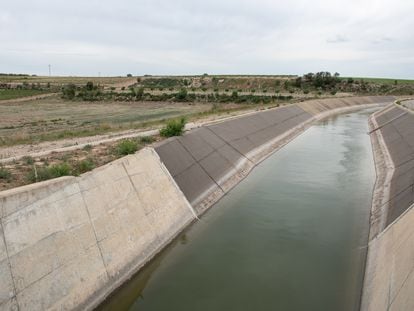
291, 236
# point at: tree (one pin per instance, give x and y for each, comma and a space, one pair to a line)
69, 91
140, 93
181, 95
234, 95
89, 86
298, 82
129, 75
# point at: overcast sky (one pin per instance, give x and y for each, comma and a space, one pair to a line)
88, 37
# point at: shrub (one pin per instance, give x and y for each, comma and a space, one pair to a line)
333, 92
85, 166
89, 85
69, 91
173, 128
5, 174
58, 170
28, 160
126, 146
39, 174
87, 147
140, 93
181, 95
147, 139
49, 172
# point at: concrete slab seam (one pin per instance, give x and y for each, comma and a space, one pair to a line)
164, 168
205, 171
9, 265
95, 234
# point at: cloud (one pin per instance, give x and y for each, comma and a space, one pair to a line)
337, 39
190, 37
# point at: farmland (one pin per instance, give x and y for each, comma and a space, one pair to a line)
54, 118
44, 116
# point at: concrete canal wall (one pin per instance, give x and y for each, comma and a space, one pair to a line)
389, 277
207, 162
67, 243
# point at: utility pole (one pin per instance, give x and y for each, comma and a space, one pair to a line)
50, 70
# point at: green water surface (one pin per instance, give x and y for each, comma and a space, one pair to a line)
291, 236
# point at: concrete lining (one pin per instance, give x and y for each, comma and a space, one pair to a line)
389, 274
69, 242
395, 127
389, 277
209, 161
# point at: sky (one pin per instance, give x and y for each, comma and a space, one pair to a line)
359, 38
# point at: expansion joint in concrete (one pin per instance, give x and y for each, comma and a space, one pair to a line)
9, 264
386, 123
227, 143
205, 171
95, 235
137, 193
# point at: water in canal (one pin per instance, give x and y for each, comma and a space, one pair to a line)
291, 236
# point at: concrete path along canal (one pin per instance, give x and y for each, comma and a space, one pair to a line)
291, 236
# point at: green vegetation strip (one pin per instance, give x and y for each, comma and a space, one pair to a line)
7, 94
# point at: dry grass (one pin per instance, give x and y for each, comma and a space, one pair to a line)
21, 172
54, 118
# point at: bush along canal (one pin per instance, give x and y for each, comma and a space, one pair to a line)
291, 236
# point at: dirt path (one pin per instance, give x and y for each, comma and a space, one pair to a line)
9, 154
120, 85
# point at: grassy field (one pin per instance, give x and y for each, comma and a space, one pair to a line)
6, 94
381, 80
54, 118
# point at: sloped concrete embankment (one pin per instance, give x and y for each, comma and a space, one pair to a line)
66, 243
389, 276
207, 162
